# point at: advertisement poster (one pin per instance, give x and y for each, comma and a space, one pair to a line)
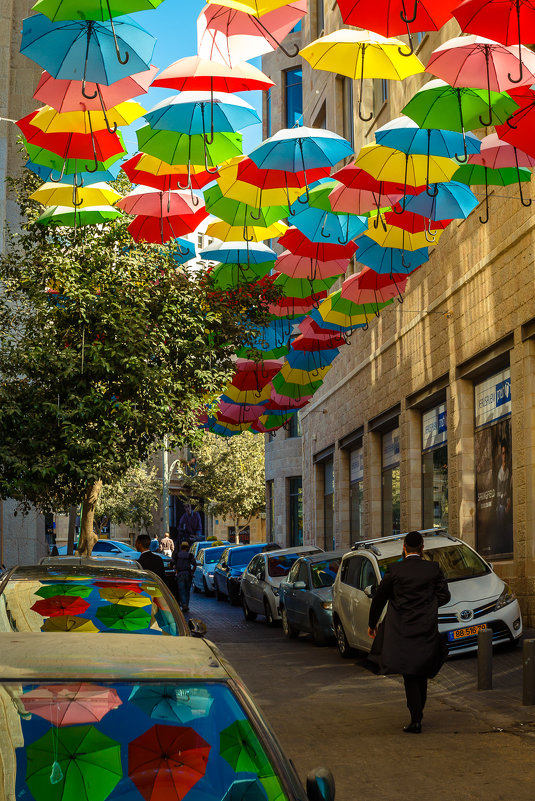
494, 489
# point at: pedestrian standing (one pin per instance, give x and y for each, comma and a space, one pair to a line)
167, 545
155, 544
184, 564
148, 559
411, 644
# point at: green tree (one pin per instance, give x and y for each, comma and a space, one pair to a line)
128, 349
230, 476
131, 500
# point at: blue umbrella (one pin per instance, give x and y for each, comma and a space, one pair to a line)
238, 253
272, 339
87, 50
319, 225
404, 134
452, 201
389, 260
172, 703
190, 112
184, 251
311, 360
82, 178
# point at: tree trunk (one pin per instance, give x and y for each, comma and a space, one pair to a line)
70, 533
88, 538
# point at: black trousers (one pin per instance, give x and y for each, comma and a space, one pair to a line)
416, 694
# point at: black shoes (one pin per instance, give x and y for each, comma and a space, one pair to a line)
413, 728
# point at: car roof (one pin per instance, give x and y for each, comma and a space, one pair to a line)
100, 561
299, 549
87, 567
386, 547
120, 658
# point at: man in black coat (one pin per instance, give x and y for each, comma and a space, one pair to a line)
414, 589
148, 559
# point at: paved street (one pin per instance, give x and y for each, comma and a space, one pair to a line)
332, 712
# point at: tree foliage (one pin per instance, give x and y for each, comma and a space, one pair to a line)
131, 500
105, 347
230, 476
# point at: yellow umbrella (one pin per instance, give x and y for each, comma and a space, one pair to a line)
394, 237
228, 233
124, 597
157, 166
49, 120
340, 318
255, 7
248, 397
51, 194
255, 196
388, 164
69, 623
362, 54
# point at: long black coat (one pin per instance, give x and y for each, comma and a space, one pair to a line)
411, 645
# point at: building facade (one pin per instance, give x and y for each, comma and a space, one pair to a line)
426, 419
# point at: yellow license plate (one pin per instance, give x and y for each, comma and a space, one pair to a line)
469, 631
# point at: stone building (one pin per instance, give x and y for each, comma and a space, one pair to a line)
426, 419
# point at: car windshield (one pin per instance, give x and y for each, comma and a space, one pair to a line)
119, 741
241, 556
212, 555
90, 604
456, 560
324, 573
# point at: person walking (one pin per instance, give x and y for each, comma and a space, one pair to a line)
184, 564
411, 645
167, 545
148, 559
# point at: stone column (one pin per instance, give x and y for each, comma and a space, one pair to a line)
461, 475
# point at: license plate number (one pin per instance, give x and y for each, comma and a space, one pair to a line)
468, 631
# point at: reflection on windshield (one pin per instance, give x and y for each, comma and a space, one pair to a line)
456, 560
122, 741
279, 566
324, 573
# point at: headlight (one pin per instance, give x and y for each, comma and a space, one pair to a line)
506, 597
275, 591
327, 605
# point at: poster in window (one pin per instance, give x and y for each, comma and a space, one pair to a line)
494, 489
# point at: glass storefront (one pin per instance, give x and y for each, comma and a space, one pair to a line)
356, 479
435, 468
296, 511
493, 465
328, 505
391, 507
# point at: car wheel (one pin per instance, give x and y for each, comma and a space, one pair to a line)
207, 591
270, 620
231, 596
246, 611
317, 634
289, 630
344, 648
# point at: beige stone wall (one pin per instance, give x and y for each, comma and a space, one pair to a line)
471, 306
283, 462
219, 528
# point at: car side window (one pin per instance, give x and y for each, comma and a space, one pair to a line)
367, 574
351, 571
294, 572
103, 546
254, 567
303, 573
200, 559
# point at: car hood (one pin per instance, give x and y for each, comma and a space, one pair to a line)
474, 590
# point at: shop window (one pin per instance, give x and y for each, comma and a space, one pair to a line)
328, 505
391, 507
435, 468
294, 426
270, 509
356, 476
296, 511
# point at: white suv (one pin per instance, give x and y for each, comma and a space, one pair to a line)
479, 598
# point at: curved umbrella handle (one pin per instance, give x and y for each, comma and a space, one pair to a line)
254, 216
526, 203
181, 252
433, 193
364, 119
208, 138
207, 168
517, 80
402, 51
95, 168
90, 26
403, 14
58, 180
114, 128
464, 158
345, 240
486, 123
481, 220
188, 184
322, 232
76, 203
277, 43
246, 239
118, 52
307, 193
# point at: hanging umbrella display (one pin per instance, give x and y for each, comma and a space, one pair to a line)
256, 7
309, 269
284, 403
315, 337
395, 17
73, 762
72, 170
92, 9
394, 237
195, 112
272, 341
171, 703
298, 385
404, 134
231, 35
497, 154
236, 213
245, 397
159, 230
80, 49
251, 375
415, 223
80, 178
197, 74
367, 286
76, 218
296, 242
48, 120
389, 260
238, 253
69, 623
241, 179
386, 192
251, 233
60, 605
126, 597
342, 311
302, 287
506, 21
345, 199
318, 224
290, 307
52, 194
71, 704
180, 148
360, 55
478, 175
448, 201
236, 413
151, 171
152, 203
123, 617
518, 130
231, 276
49, 590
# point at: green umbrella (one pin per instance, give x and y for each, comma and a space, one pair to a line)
293, 390
74, 218
302, 287
478, 175
234, 212
270, 422
73, 762
101, 10
49, 590
241, 748
124, 618
271, 784
319, 196
340, 305
232, 276
180, 148
47, 158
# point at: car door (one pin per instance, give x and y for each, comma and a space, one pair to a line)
367, 577
290, 592
346, 602
300, 604
250, 584
197, 576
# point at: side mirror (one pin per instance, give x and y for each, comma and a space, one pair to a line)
370, 590
299, 585
320, 785
197, 627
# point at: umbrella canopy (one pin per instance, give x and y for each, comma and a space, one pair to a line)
199, 112
497, 154
241, 174
390, 164
251, 233
73, 167
404, 134
245, 790
477, 174
318, 225
362, 54
296, 242
170, 703
229, 36
49, 120
393, 17
251, 375
69, 623
298, 389
237, 413
80, 178
345, 199
153, 172
159, 230
87, 50
66, 95
92, 9
301, 149
124, 596
232, 276
195, 73
256, 7
152, 203
50, 590
309, 269
415, 223
518, 130
452, 200
123, 617
342, 311
60, 605
53, 194
72, 704
302, 287
389, 260
76, 218
246, 397
371, 287
238, 253
180, 148
393, 237
236, 213
86, 762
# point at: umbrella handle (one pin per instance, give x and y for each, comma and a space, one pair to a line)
291, 212
364, 119
403, 262
207, 168
74, 194
87, 97
90, 27
194, 199
509, 123
188, 184
517, 80
410, 51
58, 180
401, 205
208, 138
429, 237
246, 238
127, 54
114, 128
254, 216
403, 13
345, 240
433, 193
277, 43
464, 158
481, 220
322, 232
95, 168
487, 123
307, 193
347, 336
526, 203
182, 252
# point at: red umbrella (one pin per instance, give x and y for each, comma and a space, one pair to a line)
231, 36
117, 584
506, 21
518, 130
165, 180
496, 154
297, 243
281, 402
310, 344
355, 177
414, 223
165, 762
305, 267
162, 229
238, 413
277, 179
371, 287
71, 704
255, 375
394, 17
154, 203
60, 605
292, 307
353, 200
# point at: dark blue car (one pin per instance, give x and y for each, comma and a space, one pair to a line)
230, 568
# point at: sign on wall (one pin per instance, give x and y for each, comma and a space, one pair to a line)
391, 449
434, 427
492, 398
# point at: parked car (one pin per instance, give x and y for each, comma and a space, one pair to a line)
197, 547
262, 577
229, 569
207, 559
479, 598
101, 561
101, 726
306, 596
89, 598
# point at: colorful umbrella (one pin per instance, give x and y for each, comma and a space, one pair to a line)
496, 154
92, 9
71, 704
309, 269
236, 213
53, 194
238, 253
404, 134
154, 203
296, 242
256, 7
159, 230
73, 762
123, 596
389, 164
198, 74
247, 397
69, 623
241, 748
318, 225
241, 179
238, 413
73, 167
202, 113
60, 605
180, 148
362, 54
48, 120
123, 617
230, 36
153, 172
478, 175
389, 260
245, 790
231, 276
176, 704
252, 233
518, 130
342, 311
80, 178
302, 287
76, 218
452, 200
49, 590
371, 287
416, 223
119, 584
393, 237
